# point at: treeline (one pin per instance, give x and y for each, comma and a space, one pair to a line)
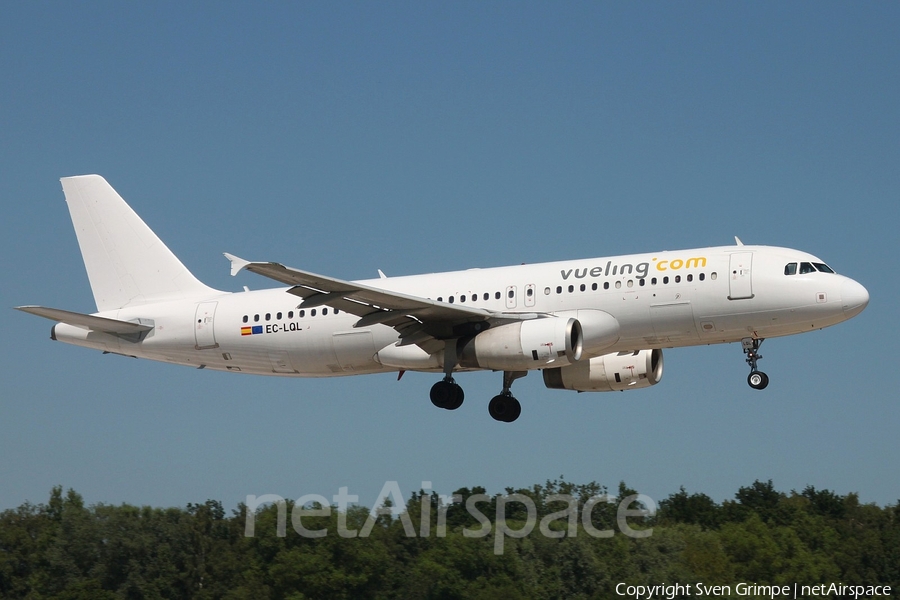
575, 547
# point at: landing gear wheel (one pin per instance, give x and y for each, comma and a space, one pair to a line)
758, 380
505, 408
447, 394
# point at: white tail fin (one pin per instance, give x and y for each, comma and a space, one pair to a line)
126, 262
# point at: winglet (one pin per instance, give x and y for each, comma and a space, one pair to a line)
236, 263
738, 241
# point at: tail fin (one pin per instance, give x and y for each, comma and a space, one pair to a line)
126, 262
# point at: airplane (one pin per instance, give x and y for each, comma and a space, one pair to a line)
591, 325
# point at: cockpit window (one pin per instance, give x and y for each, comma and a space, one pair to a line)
823, 268
790, 269
806, 268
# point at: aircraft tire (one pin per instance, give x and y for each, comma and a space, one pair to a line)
758, 380
447, 395
504, 408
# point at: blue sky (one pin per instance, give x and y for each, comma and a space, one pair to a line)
419, 137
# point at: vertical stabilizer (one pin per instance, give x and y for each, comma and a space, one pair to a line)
126, 262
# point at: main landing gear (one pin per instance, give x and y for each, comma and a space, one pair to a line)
504, 406
447, 394
757, 379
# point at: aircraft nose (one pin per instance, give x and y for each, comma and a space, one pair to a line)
854, 298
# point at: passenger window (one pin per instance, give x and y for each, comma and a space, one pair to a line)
290, 314
559, 289
713, 276
690, 277
312, 313
605, 285
487, 296
582, 287
510, 294
497, 295
790, 269
324, 311
547, 291
246, 318
594, 287
702, 276
666, 279
462, 298
678, 279
268, 316
806, 268
336, 311
440, 299
653, 281
529, 292
630, 283
278, 316
618, 285
450, 299
256, 318
302, 313
641, 282
571, 288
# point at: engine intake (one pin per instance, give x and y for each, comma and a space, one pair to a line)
609, 373
525, 345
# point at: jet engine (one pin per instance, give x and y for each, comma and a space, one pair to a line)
609, 373
525, 345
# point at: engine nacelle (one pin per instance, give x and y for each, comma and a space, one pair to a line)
599, 329
525, 345
609, 373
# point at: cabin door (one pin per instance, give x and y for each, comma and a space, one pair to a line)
204, 330
739, 276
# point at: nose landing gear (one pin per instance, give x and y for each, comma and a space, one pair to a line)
757, 379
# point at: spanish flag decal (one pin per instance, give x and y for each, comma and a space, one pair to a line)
251, 330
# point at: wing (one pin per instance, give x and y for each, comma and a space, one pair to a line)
419, 321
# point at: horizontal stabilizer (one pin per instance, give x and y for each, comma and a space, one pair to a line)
91, 322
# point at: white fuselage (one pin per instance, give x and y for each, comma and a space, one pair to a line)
660, 300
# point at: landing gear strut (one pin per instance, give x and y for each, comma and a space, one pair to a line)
757, 379
504, 407
447, 393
